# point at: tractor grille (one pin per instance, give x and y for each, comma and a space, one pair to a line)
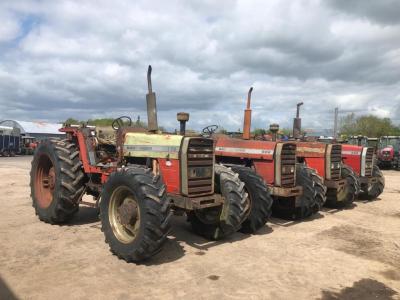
288, 165
200, 164
336, 161
369, 162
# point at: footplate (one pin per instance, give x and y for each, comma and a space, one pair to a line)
286, 192
191, 203
335, 184
368, 180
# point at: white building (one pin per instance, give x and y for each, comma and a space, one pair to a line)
39, 130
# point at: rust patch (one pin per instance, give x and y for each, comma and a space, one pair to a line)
366, 289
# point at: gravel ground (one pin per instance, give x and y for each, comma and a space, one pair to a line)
339, 254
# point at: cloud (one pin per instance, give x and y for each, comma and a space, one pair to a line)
79, 59
383, 11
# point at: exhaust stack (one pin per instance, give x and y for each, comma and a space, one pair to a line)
297, 123
247, 117
182, 118
152, 123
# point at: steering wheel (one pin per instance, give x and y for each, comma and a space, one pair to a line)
209, 130
120, 122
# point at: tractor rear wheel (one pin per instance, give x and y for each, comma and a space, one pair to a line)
57, 181
134, 213
345, 196
260, 199
374, 190
215, 223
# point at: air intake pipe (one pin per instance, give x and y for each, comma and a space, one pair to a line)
182, 118
274, 128
152, 123
247, 117
297, 123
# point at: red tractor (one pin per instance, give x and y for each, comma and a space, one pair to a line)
272, 178
340, 180
389, 152
361, 161
29, 145
136, 180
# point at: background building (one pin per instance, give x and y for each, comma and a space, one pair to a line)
39, 130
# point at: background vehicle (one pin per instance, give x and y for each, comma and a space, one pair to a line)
388, 153
136, 181
365, 141
28, 145
9, 141
297, 191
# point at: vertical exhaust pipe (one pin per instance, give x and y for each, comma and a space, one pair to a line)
182, 118
247, 117
297, 123
151, 105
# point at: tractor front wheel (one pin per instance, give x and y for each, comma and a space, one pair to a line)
135, 214
375, 189
215, 223
260, 199
57, 181
346, 195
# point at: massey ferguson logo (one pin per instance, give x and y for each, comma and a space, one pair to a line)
245, 150
349, 152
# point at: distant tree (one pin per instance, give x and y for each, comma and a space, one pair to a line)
369, 125
71, 121
259, 132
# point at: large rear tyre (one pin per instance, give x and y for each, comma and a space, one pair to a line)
314, 191
260, 199
215, 223
57, 181
135, 214
374, 190
309, 202
345, 196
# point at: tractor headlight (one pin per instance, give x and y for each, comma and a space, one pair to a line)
200, 172
288, 169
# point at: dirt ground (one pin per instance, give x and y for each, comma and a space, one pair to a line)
339, 254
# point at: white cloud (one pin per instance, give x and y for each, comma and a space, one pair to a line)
89, 59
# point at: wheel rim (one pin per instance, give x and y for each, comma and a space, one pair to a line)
124, 215
209, 215
45, 179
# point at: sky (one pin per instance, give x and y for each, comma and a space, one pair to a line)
88, 59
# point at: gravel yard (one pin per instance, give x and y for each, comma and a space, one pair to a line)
340, 254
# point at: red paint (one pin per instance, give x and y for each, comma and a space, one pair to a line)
245, 144
170, 174
266, 169
314, 155
262, 162
351, 155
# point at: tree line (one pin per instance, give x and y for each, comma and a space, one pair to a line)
368, 125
